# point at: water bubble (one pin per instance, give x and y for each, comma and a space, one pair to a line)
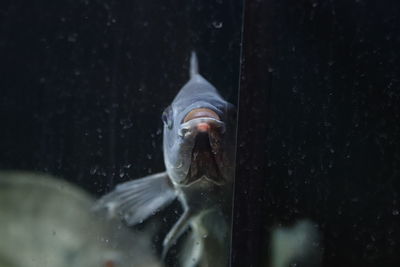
126, 123
127, 166
72, 37
217, 24
93, 170
395, 212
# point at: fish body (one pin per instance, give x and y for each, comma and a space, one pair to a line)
298, 245
46, 221
198, 146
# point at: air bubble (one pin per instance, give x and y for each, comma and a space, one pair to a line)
217, 24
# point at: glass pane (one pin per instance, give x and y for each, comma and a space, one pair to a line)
318, 135
87, 103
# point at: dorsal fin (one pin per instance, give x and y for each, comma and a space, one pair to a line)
194, 65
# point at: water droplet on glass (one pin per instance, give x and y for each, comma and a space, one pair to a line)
72, 38
93, 170
126, 123
217, 24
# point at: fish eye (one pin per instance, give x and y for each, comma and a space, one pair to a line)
166, 117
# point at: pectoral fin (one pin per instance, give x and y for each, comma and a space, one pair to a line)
136, 200
177, 230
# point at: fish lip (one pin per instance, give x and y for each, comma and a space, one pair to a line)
189, 128
200, 112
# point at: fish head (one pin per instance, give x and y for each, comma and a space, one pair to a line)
198, 135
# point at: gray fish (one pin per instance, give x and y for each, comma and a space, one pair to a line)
298, 245
45, 221
199, 153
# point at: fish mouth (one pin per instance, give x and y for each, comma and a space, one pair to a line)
205, 129
200, 113
201, 120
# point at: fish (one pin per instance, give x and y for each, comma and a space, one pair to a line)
297, 245
47, 221
199, 156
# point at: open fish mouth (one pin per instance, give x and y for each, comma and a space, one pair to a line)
206, 130
201, 120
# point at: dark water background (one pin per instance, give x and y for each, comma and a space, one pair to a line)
83, 85
319, 128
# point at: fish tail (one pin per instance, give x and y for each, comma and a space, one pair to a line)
194, 65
